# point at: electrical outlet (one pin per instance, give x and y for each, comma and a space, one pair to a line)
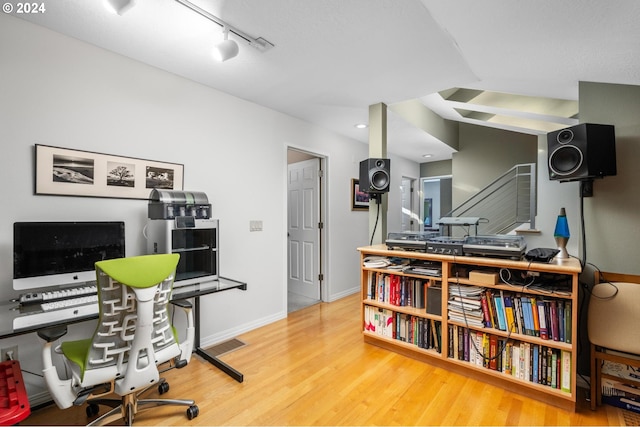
9, 353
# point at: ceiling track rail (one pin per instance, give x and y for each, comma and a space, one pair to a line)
258, 43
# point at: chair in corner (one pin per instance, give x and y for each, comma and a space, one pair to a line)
612, 325
133, 336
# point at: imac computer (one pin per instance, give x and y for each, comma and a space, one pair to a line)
57, 254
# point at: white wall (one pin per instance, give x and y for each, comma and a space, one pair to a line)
401, 168
552, 196
612, 214
58, 91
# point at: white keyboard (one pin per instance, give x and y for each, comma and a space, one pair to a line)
54, 311
70, 302
39, 297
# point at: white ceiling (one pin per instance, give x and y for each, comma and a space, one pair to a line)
332, 59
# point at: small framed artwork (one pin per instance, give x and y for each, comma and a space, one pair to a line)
359, 199
68, 172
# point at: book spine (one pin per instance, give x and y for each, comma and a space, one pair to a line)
500, 312
519, 317
536, 317
535, 366
554, 369
486, 316
554, 320
508, 308
493, 352
465, 342
526, 308
507, 356
542, 319
515, 360
560, 311
492, 308
367, 326
567, 319
565, 373
543, 370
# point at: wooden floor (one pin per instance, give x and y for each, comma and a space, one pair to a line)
314, 369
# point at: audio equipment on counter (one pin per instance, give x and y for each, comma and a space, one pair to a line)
497, 245
582, 152
446, 245
375, 175
410, 240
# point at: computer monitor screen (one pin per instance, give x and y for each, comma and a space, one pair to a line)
49, 254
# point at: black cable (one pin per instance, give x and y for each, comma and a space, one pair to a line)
583, 262
601, 280
377, 198
32, 373
473, 342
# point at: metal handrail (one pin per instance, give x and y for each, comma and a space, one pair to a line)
505, 204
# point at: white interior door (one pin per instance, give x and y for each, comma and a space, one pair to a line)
408, 216
303, 228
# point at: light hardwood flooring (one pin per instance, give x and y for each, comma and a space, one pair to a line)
313, 368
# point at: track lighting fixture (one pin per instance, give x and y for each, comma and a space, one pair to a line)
226, 49
119, 6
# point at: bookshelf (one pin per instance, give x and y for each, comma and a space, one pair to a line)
509, 323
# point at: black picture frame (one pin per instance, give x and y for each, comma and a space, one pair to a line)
70, 172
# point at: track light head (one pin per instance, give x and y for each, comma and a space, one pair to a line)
226, 49
119, 6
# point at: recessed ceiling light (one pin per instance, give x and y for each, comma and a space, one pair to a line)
361, 126
426, 156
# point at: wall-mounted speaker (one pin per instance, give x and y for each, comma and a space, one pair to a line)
582, 152
375, 175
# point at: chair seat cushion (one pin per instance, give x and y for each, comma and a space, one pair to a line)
77, 351
613, 316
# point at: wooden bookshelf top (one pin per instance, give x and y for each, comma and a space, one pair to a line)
566, 266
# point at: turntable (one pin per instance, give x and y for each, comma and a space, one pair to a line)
498, 245
410, 240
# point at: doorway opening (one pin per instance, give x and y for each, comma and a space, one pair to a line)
410, 218
436, 201
305, 229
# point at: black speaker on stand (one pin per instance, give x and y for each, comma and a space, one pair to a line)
582, 152
375, 176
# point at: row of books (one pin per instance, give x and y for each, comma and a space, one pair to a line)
621, 395
424, 333
547, 318
529, 362
396, 290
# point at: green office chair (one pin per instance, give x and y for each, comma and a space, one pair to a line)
134, 335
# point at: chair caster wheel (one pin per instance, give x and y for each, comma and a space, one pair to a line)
193, 412
163, 387
92, 410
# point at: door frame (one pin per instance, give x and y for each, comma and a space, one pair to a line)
421, 196
414, 215
324, 267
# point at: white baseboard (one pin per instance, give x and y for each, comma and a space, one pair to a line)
343, 294
39, 398
233, 332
